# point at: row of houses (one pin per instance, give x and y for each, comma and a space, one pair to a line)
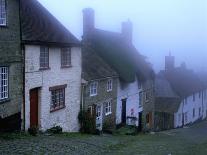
47, 75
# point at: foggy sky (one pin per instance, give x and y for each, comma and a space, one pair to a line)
158, 25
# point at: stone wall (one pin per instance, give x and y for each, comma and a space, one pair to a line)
67, 118
102, 97
11, 56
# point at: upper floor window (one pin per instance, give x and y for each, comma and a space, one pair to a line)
65, 57
199, 94
4, 87
109, 85
193, 112
193, 97
2, 12
147, 96
57, 97
44, 57
93, 88
140, 99
108, 108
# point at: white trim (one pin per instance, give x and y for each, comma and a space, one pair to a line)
93, 88
109, 86
108, 108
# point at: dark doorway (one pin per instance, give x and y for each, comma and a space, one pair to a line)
34, 107
140, 122
123, 113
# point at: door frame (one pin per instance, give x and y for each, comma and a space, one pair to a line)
100, 117
35, 90
123, 111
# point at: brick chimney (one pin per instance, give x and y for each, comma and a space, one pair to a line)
127, 29
88, 21
169, 62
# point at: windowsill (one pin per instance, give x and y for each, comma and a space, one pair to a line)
4, 100
51, 111
42, 69
4, 26
109, 90
69, 66
93, 95
109, 113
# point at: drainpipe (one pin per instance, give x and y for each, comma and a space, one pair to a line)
23, 69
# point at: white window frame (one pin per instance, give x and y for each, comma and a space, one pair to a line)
4, 83
3, 15
109, 85
108, 108
93, 88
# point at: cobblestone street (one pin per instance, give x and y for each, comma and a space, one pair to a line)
190, 140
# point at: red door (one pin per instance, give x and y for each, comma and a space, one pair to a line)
34, 108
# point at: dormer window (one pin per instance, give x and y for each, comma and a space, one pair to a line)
2, 12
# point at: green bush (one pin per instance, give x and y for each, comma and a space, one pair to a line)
87, 122
33, 131
55, 130
108, 126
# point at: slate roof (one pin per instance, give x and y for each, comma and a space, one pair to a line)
120, 55
38, 26
183, 81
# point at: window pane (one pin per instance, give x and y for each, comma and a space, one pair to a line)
2, 12
44, 57
4, 83
57, 99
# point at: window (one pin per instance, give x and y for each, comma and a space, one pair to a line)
147, 96
108, 108
139, 85
65, 57
2, 12
179, 118
57, 97
109, 85
200, 111
193, 97
44, 57
140, 99
186, 117
4, 92
193, 112
93, 88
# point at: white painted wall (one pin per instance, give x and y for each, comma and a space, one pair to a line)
67, 118
187, 107
130, 91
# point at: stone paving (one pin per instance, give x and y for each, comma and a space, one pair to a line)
192, 140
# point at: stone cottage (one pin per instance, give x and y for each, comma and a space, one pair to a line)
52, 86
11, 66
117, 50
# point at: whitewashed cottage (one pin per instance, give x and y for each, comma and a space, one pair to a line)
52, 86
